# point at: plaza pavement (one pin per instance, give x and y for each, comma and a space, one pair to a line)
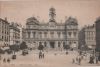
50, 60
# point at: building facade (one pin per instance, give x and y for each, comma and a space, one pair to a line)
97, 22
14, 34
51, 34
4, 32
88, 36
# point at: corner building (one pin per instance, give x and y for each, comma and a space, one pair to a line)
51, 34
87, 36
4, 33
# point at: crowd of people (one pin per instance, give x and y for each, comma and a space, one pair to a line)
91, 58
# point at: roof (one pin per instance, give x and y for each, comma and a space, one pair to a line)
4, 20
71, 21
98, 20
32, 20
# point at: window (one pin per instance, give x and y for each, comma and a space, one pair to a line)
52, 34
45, 44
40, 43
45, 34
59, 44
34, 34
2, 37
40, 33
28, 26
70, 43
63, 44
28, 34
58, 34
2, 31
75, 34
63, 33
69, 33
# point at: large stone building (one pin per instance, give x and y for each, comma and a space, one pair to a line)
4, 32
87, 36
14, 34
52, 34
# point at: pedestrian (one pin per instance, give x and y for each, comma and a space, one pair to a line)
82, 57
91, 60
42, 54
73, 60
4, 60
97, 60
0, 57
8, 60
79, 60
76, 60
66, 52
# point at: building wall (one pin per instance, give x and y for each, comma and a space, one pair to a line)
98, 34
14, 34
4, 32
51, 32
88, 36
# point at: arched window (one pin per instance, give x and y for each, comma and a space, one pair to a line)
63, 44
40, 43
58, 34
52, 34
45, 44
59, 44
70, 43
34, 34
45, 34
69, 33
40, 33
74, 34
28, 34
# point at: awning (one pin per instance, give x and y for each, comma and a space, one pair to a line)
4, 48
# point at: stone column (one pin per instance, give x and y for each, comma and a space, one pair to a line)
48, 44
61, 46
48, 35
26, 34
61, 35
42, 35
56, 45
31, 34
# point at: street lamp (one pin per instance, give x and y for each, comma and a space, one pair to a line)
93, 48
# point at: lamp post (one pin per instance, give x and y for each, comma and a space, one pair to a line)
93, 48
0, 47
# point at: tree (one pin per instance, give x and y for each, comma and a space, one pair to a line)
23, 45
14, 47
66, 47
40, 47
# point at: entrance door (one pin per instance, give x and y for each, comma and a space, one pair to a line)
52, 44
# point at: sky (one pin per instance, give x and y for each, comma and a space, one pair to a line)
85, 11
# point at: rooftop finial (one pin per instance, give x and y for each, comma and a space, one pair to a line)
52, 14
5, 18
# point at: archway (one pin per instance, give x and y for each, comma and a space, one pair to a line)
52, 44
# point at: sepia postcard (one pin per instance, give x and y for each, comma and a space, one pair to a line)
49, 33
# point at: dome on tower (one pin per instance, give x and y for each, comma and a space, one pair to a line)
71, 21
52, 9
32, 20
